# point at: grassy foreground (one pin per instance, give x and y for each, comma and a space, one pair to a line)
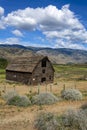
20, 118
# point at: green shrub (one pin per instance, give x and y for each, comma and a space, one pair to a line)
3, 63
46, 121
71, 94
7, 96
19, 101
13, 98
44, 98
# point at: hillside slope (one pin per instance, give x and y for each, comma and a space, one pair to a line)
57, 56
10, 51
64, 56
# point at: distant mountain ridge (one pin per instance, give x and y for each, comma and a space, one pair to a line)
12, 46
56, 55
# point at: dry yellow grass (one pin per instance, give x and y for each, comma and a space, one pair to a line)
23, 89
18, 118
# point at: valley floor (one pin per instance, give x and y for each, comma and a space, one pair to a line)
19, 118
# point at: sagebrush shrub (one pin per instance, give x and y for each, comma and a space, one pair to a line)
70, 120
44, 98
76, 120
71, 94
46, 121
19, 101
7, 96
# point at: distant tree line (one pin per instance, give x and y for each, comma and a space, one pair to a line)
3, 63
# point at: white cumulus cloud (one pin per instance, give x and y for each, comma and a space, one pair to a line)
10, 41
1, 11
20, 19
58, 24
17, 33
1, 15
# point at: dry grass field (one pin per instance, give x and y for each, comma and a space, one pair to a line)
20, 118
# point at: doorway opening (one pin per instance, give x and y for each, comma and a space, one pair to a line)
43, 79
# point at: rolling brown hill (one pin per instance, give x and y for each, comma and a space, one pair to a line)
57, 56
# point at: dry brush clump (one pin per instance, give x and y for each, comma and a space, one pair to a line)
75, 120
44, 98
46, 121
71, 94
70, 120
8, 95
19, 101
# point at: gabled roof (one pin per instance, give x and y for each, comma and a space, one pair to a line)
24, 64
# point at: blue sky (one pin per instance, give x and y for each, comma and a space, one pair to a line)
44, 23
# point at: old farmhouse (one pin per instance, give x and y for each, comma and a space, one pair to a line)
30, 70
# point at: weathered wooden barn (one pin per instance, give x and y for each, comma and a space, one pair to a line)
30, 70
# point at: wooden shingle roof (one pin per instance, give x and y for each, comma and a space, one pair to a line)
24, 64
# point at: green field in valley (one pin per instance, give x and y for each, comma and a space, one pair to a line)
71, 72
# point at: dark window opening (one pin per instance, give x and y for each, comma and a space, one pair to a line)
43, 79
50, 77
43, 71
43, 63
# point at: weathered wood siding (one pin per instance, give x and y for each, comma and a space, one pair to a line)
38, 74
18, 76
